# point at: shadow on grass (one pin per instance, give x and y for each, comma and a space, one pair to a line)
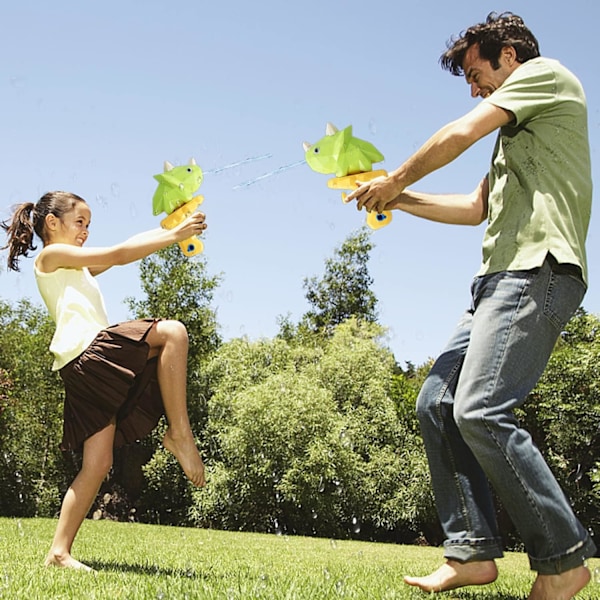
144, 569
481, 594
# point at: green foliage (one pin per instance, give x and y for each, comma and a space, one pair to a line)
32, 468
344, 290
166, 495
175, 287
305, 439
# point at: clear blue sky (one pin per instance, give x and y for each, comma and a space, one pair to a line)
94, 96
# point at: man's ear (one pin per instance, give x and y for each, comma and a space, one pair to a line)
510, 55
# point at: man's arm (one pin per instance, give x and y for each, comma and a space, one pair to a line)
456, 209
442, 148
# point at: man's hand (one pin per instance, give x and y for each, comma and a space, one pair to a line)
375, 195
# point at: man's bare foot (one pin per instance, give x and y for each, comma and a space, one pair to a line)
453, 574
560, 587
185, 451
65, 561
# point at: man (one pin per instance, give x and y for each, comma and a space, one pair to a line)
536, 198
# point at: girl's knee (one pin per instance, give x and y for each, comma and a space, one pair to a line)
176, 331
168, 331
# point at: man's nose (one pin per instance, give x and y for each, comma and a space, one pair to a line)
474, 90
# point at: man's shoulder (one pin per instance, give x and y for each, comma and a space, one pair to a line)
542, 68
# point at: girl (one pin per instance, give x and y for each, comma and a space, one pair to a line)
118, 379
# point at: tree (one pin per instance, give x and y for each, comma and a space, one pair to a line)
344, 290
33, 471
174, 287
305, 439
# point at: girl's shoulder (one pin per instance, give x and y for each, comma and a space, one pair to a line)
52, 257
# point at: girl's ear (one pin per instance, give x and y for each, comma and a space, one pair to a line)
51, 222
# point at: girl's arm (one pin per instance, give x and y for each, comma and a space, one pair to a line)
144, 236
57, 255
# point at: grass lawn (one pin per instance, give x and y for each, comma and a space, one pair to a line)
153, 562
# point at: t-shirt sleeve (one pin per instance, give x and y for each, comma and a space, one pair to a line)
527, 91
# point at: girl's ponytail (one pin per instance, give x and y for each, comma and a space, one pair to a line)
20, 232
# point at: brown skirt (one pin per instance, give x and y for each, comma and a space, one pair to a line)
112, 377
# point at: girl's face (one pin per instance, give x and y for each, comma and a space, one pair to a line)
73, 227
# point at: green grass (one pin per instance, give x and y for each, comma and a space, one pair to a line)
153, 562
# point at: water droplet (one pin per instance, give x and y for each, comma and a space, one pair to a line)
596, 575
321, 487
355, 525
326, 573
115, 190
17, 82
333, 544
372, 126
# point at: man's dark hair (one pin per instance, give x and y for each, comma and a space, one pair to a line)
496, 33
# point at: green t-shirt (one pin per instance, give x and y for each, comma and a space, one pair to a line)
540, 177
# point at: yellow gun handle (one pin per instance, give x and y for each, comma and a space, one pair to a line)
191, 246
349, 182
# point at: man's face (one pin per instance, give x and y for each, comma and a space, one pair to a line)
480, 74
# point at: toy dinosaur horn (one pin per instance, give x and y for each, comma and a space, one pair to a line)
330, 129
168, 166
306, 146
192, 162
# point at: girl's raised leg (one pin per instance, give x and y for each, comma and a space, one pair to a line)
97, 461
168, 341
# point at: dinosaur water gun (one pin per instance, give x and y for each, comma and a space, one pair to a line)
351, 160
175, 196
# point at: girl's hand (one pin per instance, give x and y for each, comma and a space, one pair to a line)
193, 225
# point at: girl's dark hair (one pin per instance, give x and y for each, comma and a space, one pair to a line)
498, 31
29, 218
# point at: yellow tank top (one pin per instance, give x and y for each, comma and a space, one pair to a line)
75, 304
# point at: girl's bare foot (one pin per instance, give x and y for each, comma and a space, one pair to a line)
560, 587
454, 574
185, 451
65, 561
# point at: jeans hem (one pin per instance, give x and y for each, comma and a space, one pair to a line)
574, 557
473, 549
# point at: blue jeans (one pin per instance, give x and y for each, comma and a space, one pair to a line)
465, 408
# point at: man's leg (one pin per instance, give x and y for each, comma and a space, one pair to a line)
462, 494
517, 320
